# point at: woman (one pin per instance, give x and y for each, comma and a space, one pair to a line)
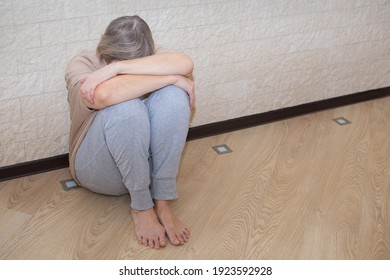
130, 111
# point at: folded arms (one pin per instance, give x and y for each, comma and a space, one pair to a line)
129, 79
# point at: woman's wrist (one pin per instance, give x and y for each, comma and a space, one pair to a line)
117, 67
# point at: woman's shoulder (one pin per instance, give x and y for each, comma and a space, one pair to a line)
80, 65
86, 57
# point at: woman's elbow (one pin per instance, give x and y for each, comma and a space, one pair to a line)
188, 64
101, 98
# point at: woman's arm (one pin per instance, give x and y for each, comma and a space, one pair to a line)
158, 64
126, 87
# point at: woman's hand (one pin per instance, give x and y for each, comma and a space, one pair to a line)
188, 86
91, 81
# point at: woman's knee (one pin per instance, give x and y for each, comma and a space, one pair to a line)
171, 96
131, 109
176, 92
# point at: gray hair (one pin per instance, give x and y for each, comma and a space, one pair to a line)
125, 38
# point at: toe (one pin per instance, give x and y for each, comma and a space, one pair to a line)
162, 241
185, 237
176, 240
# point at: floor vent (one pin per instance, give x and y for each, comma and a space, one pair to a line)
69, 184
341, 121
222, 149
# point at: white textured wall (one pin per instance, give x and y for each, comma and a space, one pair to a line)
251, 56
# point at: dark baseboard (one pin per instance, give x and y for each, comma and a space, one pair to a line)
61, 161
285, 113
33, 167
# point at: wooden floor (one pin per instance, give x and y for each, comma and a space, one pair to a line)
304, 188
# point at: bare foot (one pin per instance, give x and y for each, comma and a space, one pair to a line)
177, 232
148, 229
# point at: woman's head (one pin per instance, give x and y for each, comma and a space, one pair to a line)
125, 38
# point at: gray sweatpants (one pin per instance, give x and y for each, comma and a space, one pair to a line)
135, 147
